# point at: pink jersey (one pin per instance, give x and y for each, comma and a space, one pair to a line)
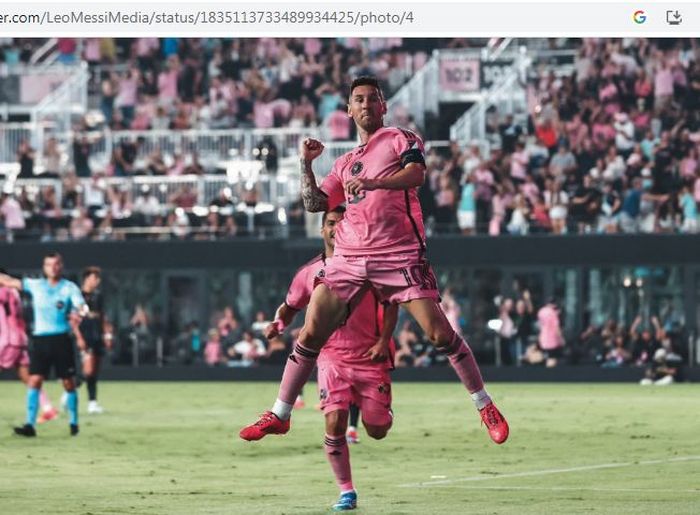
12, 326
380, 221
362, 329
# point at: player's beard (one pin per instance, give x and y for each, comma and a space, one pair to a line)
370, 124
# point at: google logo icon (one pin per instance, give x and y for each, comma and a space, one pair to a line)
639, 17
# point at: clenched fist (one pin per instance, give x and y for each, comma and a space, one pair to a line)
311, 149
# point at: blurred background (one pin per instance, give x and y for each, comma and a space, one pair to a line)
562, 186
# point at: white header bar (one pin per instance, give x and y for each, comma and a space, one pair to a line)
358, 18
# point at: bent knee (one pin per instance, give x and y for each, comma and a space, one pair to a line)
377, 432
440, 336
309, 338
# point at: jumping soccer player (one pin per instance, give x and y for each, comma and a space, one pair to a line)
55, 301
92, 329
380, 244
353, 366
13, 345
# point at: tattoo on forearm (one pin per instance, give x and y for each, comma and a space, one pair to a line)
314, 199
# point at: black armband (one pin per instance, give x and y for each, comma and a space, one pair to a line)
412, 155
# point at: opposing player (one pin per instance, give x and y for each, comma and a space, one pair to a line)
380, 244
55, 301
93, 329
353, 366
13, 345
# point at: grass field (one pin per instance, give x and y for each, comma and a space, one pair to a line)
166, 448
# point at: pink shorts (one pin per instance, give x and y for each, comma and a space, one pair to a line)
395, 278
369, 389
13, 357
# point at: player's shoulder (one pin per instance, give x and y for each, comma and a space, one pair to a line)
33, 282
317, 261
401, 132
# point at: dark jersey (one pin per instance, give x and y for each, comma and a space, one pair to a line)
91, 325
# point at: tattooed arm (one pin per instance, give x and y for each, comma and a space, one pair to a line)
314, 199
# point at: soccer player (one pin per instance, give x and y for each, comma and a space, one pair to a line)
93, 330
353, 366
380, 244
13, 344
55, 301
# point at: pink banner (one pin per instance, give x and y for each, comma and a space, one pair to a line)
459, 75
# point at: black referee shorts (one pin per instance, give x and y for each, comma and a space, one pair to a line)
54, 351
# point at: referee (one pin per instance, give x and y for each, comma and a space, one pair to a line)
57, 303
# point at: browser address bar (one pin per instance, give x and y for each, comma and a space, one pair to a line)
346, 19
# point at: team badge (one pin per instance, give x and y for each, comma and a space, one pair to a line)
356, 168
60, 305
384, 388
323, 394
321, 273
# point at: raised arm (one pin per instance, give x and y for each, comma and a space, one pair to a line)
314, 199
10, 282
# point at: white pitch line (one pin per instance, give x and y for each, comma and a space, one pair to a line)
577, 489
549, 471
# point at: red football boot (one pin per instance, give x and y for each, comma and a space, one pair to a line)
495, 423
267, 424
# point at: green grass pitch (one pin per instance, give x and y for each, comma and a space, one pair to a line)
171, 448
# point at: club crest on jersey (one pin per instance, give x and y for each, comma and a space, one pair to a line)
323, 394
60, 305
356, 168
321, 273
384, 388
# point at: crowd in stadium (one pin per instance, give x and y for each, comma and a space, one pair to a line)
526, 336
610, 147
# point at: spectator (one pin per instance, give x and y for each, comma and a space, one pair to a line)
585, 205
81, 226
228, 324
11, 215
644, 341
610, 209
466, 214
522, 319
619, 355
688, 205
25, 157
52, 159
212, 351
339, 124
556, 201
81, 155
551, 341
665, 369
562, 163
247, 351
276, 352
507, 332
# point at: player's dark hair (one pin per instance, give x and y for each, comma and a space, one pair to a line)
366, 80
92, 270
53, 255
340, 209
